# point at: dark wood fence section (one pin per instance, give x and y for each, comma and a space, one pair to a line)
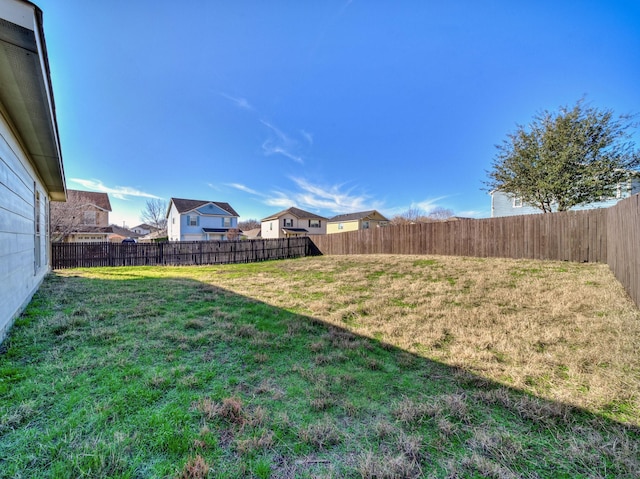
86, 255
623, 244
572, 236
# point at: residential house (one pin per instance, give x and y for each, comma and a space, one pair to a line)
118, 233
83, 218
356, 221
144, 229
505, 204
293, 222
200, 220
31, 168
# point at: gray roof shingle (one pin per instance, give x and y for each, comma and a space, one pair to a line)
184, 205
297, 212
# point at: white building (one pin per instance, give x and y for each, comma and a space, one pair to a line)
293, 222
31, 170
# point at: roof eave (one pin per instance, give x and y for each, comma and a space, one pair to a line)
27, 93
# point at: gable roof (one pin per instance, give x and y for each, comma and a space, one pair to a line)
184, 205
297, 212
361, 215
100, 200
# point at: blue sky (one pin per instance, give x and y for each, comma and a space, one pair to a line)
330, 106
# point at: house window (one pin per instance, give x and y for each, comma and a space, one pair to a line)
340, 226
89, 218
314, 223
288, 223
270, 226
36, 212
517, 202
173, 221
192, 220
365, 225
226, 222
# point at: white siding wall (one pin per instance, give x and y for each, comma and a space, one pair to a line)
173, 224
19, 274
270, 229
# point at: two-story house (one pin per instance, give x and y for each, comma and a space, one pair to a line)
200, 220
362, 220
505, 204
293, 222
31, 169
83, 218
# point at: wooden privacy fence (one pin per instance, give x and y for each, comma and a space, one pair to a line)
571, 235
610, 235
623, 244
86, 255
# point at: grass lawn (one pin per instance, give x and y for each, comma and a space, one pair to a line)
327, 367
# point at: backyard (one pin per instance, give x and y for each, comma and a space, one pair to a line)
371, 366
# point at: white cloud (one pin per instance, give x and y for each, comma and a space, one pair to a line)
280, 143
239, 101
325, 199
428, 204
307, 136
244, 188
120, 192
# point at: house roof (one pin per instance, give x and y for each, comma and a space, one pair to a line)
297, 212
253, 233
127, 233
215, 230
101, 200
294, 230
27, 94
184, 205
146, 226
361, 215
92, 229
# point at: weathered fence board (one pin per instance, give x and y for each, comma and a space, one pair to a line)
87, 255
571, 236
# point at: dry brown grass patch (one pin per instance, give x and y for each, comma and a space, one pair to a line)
195, 468
563, 331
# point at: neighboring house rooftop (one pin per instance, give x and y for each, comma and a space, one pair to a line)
100, 200
297, 212
253, 233
146, 226
184, 205
362, 215
127, 233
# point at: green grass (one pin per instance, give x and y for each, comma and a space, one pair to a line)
181, 372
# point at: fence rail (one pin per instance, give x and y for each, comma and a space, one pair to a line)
86, 255
571, 235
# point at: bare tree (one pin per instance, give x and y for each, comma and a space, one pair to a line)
65, 217
417, 215
233, 234
439, 214
412, 215
155, 213
249, 224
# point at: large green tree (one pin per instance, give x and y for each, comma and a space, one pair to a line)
567, 158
